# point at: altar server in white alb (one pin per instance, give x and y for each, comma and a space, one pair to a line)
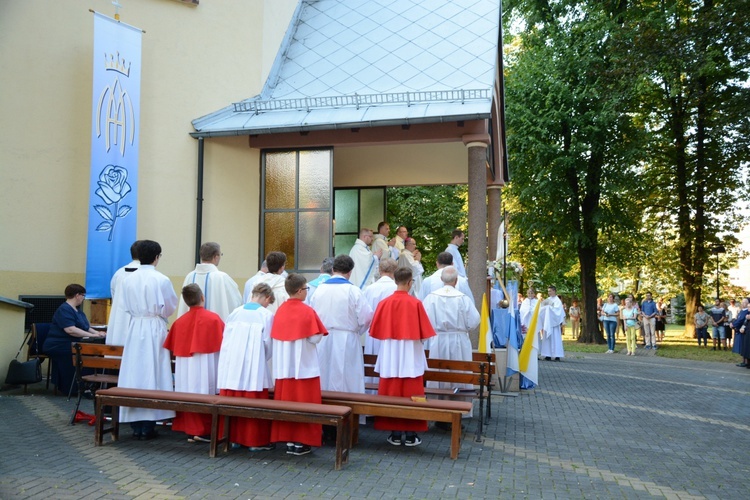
250, 283
243, 365
365, 262
326, 270
452, 315
117, 324
381, 289
149, 299
434, 281
551, 317
195, 340
221, 292
346, 315
275, 277
457, 239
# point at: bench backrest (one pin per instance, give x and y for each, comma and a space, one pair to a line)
93, 355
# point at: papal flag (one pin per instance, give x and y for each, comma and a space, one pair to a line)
527, 360
485, 338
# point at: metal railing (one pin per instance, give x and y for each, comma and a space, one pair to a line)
357, 100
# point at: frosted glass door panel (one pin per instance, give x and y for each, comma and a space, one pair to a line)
315, 179
279, 235
314, 238
346, 211
371, 208
281, 180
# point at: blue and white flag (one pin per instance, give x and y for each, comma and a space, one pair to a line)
115, 114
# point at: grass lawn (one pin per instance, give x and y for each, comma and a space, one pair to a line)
675, 345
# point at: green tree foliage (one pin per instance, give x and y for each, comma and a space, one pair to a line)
694, 101
430, 213
572, 145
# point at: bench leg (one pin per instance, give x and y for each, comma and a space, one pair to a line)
355, 429
98, 431
214, 435
455, 436
115, 423
343, 440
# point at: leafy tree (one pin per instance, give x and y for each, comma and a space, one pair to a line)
430, 213
694, 97
572, 145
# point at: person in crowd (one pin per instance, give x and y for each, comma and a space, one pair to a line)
381, 242
610, 314
744, 330
221, 293
326, 270
457, 239
434, 282
718, 316
398, 242
117, 323
243, 365
526, 310
295, 332
739, 334
621, 321
149, 299
630, 316
575, 319
342, 308
275, 278
69, 324
660, 324
365, 261
599, 324
250, 283
648, 320
384, 287
411, 257
639, 326
452, 315
551, 334
733, 310
402, 326
195, 340
701, 320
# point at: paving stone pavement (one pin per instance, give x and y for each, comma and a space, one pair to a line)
600, 426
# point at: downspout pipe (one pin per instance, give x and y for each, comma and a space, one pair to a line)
199, 198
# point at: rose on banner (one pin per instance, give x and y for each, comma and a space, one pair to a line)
113, 187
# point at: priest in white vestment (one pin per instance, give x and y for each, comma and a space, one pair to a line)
250, 283
553, 313
457, 239
452, 315
342, 308
365, 262
117, 323
381, 242
276, 263
149, 299
412, 258
434, 281
381, 289
222, 295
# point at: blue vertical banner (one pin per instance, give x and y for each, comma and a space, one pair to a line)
115, 128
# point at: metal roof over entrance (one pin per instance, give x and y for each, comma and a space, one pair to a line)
362, 63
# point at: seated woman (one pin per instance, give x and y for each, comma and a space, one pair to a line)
69, 324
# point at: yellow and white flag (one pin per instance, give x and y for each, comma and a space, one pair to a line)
527, 360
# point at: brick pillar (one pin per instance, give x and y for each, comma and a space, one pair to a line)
476, 270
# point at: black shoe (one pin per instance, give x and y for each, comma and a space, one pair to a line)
394, 439
412, 440
742, 365
149, 435
557, 359
137, 435
300, 449
548, 358
445, 426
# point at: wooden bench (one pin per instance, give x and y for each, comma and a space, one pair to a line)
87, 355
226, 407
455, 372
392, 406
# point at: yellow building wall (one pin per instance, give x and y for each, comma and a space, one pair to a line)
401, 165
196, 59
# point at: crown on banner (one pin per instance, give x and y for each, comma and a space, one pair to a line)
116, 63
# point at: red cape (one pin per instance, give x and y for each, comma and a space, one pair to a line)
401, 317
296, 320
198, 331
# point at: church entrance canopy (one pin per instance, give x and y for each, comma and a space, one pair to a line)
383, 72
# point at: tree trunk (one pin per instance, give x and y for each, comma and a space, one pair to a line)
589, 322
